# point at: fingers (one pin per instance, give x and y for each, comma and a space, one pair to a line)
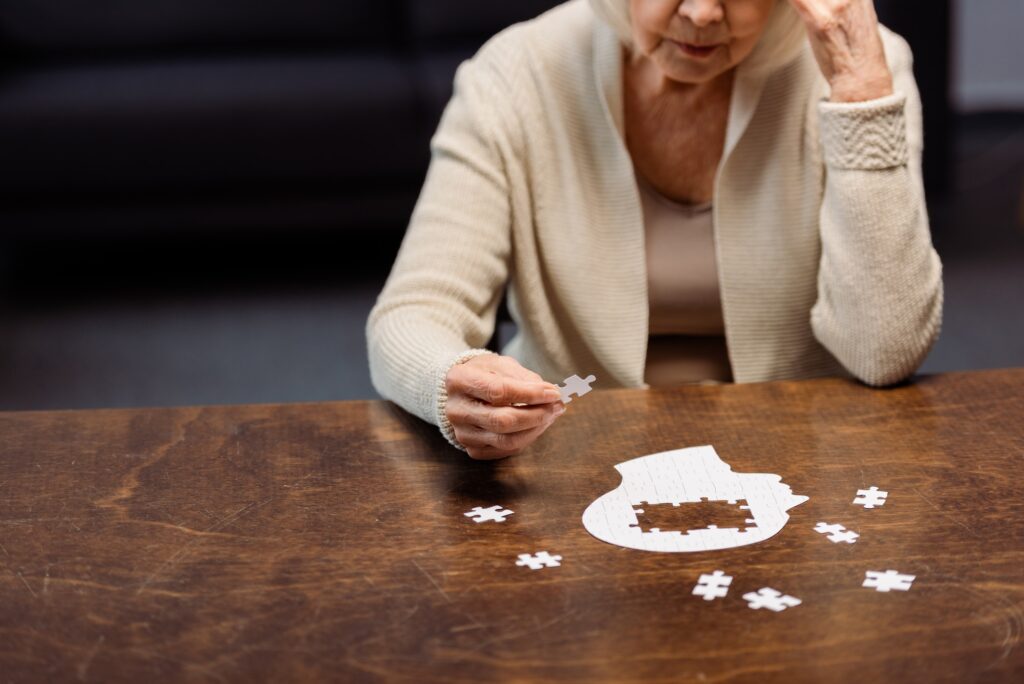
497, 407
499, 389
800, 6
823, 16
847, 46
500, 420
483, 445
819, 16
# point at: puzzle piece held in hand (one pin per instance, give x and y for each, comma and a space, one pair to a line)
541, 559
869, 498
888, 580
494, 513
713, 586
836, 533
771, 599
574, 384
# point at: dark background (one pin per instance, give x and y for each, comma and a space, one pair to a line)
200, 200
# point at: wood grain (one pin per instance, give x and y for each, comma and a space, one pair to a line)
328, 542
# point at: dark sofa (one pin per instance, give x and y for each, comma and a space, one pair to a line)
170, 117
178, 116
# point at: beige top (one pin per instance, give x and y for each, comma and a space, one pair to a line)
824, 256
687, 332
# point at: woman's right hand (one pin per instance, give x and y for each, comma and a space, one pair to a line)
497, 407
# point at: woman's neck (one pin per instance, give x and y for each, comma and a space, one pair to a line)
675, 132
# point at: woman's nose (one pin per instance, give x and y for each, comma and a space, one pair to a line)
702, 12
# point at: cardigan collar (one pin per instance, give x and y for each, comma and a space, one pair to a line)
610, 335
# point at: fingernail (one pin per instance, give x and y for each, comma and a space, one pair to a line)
552, 395
559, 411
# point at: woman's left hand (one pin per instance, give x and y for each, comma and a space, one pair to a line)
848, 46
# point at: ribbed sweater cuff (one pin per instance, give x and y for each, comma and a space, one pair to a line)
442, 393
864, 135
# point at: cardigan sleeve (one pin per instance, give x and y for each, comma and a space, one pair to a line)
438, 305
879, 304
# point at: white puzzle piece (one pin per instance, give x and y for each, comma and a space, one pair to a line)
836, 533
870, 498
887, 581
494, 513
683, 476
574, 384
541, 559
769, 598
713, 586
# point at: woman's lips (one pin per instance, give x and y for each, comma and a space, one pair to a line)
698, 51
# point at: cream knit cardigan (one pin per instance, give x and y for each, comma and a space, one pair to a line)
824, 254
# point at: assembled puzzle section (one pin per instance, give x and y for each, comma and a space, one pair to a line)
683, 478
683, 517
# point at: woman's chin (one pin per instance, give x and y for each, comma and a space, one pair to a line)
678, 67
692, 74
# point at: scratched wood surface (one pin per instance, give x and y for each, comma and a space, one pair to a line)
328, 542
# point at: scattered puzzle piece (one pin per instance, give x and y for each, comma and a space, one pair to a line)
574, 384
494, 513
888, 580
870, 498
713, 586
771, 599
541, 559
836, 533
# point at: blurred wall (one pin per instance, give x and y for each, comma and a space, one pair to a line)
928, 29
987, 73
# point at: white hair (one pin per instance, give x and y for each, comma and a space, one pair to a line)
783, 39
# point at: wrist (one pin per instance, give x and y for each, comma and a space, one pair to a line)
441, 393
860, 88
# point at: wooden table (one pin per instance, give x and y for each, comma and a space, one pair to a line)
328, 542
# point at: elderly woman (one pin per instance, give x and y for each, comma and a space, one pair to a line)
670, 191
